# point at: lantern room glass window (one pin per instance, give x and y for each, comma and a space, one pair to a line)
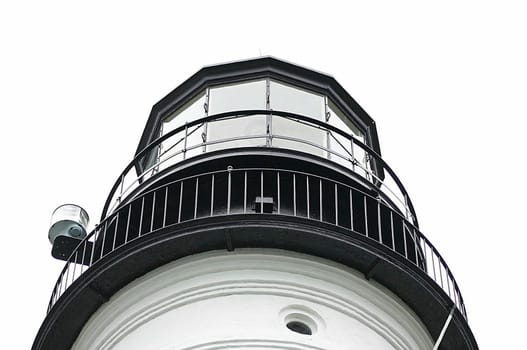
344, 151
192, 110
172, 150
290, 134
285, 97
235, 97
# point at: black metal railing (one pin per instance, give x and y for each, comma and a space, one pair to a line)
192, 139
260, 191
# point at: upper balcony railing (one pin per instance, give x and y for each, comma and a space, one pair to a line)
266, 128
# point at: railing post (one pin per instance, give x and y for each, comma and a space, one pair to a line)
352, 155
121, 191
269, 116
206, 124
185, 141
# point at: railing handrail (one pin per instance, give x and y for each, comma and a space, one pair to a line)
420, 240
138, 158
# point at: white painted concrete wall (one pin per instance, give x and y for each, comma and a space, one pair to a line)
243, 300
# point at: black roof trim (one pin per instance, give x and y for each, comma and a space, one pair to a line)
259, 68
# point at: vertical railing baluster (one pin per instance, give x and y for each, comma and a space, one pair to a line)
404, 241
336, 206
141, 216
83, 254
307, 196
379, 228
245, 191
115, 230
75, 266
425, 256
278, 190
440, 271
104, 237
229, 188
447, 272
433, 263
180, 201
320, 207
415, 247
165, 207
392, 230
152, 215
128, 223
67, 276
294, 194
406, 205
95, 235
261, 191
196, 198
351, 210
366, 218
212, 196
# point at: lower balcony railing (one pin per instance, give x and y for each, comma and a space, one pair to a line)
254, 191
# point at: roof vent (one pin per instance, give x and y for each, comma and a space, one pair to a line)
68, 220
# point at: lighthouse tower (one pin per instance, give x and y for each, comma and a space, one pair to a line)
257, 213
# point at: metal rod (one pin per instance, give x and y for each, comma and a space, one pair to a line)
447, 280
445, 326
185, 142
95, 235
141, 217
294, 194
103, 238
152, 215
74, 266
66, 284
261, 191
336, 206
128, 223
307, 195
196, 198
320, 198
180, 201
425, 256
278, 190
433, 264
165, 206
405, 241
379, 225
392, 230
122, 184
440, 273
415, 247
212, 196
115, 230
351, 210
365, 217
229, 168
352, 156
83, 255
245, 191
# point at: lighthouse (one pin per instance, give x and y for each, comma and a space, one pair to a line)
257, 213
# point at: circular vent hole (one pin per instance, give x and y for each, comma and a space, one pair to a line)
299, 327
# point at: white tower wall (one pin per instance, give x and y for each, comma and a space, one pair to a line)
244, 299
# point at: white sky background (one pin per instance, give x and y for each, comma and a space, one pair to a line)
445, 82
